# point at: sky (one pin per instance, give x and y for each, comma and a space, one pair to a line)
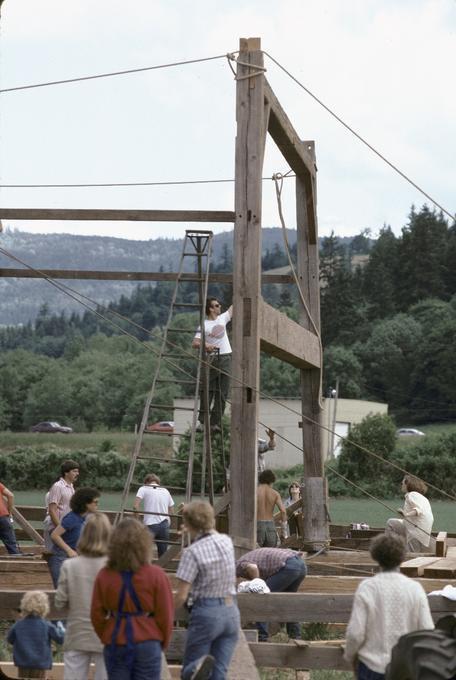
384, 66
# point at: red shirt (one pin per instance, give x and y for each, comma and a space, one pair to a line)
154, 594
4, 512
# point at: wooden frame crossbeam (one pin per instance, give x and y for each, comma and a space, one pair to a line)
117, 215
285, 339
97, 275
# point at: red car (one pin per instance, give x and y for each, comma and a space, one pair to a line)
165, 426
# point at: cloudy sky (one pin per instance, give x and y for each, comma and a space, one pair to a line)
384, 66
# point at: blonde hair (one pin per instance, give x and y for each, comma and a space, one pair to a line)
130, 546
35, 602
199, 515
95, 535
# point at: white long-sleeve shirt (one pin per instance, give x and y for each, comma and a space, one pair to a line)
385, 607
418, 525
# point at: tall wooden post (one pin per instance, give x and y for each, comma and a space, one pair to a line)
250, 142
316, 529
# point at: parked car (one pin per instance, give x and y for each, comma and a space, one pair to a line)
165, 426
409, 432
51, 426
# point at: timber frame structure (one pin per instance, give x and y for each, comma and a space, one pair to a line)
256, 325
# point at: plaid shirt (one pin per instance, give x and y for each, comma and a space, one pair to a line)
60, 493
208, 564
268, 560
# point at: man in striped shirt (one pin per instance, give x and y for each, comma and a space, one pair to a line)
283, 571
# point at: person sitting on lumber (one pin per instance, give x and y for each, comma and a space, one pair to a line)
385, 607
416, 526
267, 500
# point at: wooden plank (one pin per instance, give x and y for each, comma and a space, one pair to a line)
285, 339
441, 544
57, 672
246, 292
98, 275
443, 568
117, 215
243, 662
29, 530
313, 656
305, 607
416, 566
175, 651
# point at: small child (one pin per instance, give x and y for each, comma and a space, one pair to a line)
31, 636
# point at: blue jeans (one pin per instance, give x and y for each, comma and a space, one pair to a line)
286, 580
365, 673
160, 533
213, 629
146, 665
55, 562
8, 536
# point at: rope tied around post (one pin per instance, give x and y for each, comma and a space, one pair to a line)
260, 69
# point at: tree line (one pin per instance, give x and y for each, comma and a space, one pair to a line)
388, 313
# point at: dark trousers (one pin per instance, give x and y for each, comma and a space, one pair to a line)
160, 533
8, 536
286, 580
365, 673
219, 385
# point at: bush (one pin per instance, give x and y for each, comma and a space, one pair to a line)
375, 433
37, 468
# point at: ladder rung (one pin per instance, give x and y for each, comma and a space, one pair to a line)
181, 330
198, 232
187, 304
162, 460
171, 407
195, 254
174, 380
167, 434
176, 356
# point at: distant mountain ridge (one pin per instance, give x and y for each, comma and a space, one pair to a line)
20, 299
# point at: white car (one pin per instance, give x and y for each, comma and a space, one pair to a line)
409, 432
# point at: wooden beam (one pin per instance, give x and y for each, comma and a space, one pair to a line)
305, 607
314, 492
117, 215
29, 530
283, 338
298, 154
250, 112
97, 275
415, 567
243, 662
312, 656
441, 544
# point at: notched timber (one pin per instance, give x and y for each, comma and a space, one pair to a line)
283, 338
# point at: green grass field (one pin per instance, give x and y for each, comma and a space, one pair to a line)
123, 442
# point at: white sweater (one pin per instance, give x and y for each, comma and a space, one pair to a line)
74, 590
385, 607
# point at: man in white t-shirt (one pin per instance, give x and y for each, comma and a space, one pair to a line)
218, 350
157, 505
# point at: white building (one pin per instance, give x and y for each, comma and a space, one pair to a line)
283, 416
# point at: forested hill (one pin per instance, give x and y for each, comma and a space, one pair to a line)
21, 300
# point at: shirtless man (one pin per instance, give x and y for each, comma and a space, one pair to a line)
267, 500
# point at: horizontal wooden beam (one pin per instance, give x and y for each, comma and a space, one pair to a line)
117, 215
97, 275
283, 338
278, 607
313, 656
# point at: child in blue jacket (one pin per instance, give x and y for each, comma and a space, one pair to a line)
31, 636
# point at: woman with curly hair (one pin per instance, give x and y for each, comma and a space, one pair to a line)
132, 605
416, 526
66, 535
77, 576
